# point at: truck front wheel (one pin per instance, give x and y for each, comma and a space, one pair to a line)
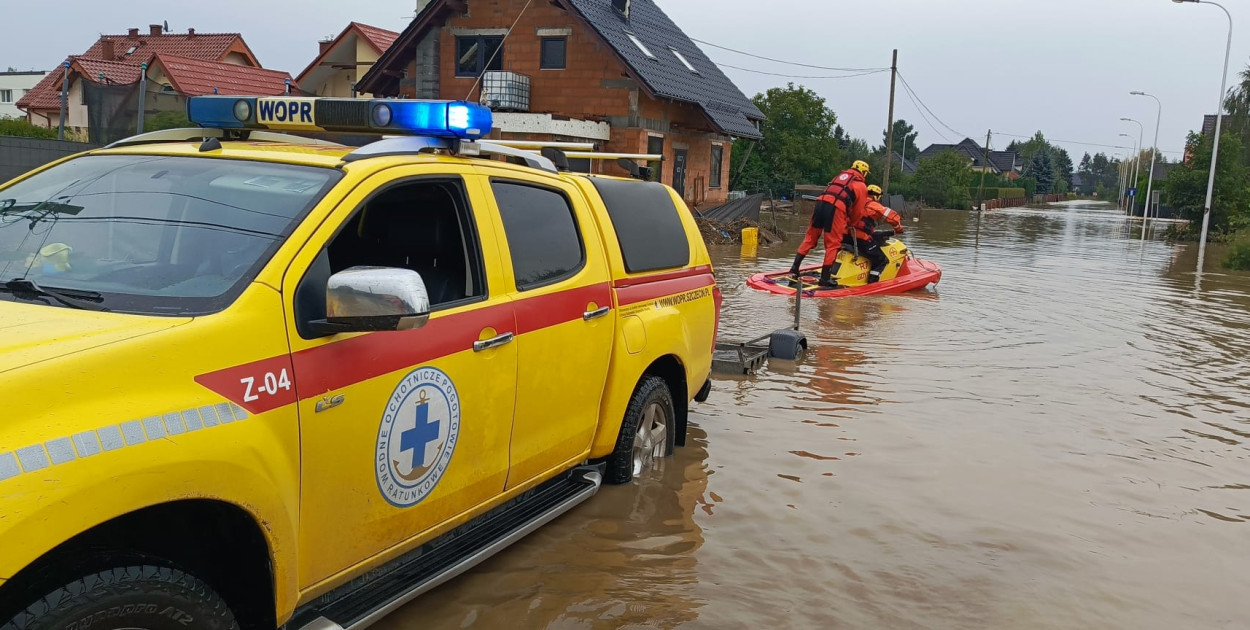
647, 433
147, 597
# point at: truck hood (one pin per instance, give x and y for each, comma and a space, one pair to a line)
31, 333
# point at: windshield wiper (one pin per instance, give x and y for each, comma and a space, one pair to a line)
73, 298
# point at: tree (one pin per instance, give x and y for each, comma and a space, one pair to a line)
1085, 168
904, 138
940, 180
1063, 167
1186, 186
1238, 119
799, 145
1043, 171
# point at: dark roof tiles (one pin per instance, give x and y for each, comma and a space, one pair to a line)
663, 72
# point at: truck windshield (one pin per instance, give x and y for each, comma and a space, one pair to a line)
151, 234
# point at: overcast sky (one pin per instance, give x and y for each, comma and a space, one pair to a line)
1015, 66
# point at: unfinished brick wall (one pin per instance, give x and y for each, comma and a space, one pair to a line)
593, 86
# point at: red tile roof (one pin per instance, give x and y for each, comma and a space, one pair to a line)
379, 38
124, 68
113, 71
46, 94
212, 46
194, 77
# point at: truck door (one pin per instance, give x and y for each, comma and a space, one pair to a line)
562, 296
401, 431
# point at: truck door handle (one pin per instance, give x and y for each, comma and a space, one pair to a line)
597, 313
501, 340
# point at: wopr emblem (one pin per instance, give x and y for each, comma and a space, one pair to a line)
417, 436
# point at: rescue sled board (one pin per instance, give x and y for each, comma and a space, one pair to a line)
913, 273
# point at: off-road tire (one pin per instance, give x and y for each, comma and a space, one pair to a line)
146, 597
650, 390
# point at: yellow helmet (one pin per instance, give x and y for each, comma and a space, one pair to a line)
874, 191
861, 166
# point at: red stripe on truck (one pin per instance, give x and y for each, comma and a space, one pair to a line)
343, 363
663, 288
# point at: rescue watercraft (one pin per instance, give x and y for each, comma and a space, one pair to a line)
903, 273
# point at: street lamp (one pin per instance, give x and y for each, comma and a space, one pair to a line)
1141, 131
1150, 177
1219, 116
1126, 173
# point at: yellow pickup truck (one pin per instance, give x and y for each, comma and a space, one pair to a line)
254, 379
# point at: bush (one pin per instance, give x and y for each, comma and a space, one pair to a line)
940, 181
1238, 256
22, 129
166, 120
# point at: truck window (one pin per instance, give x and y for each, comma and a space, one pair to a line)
423, 225
542, 234
646, 222
152, 234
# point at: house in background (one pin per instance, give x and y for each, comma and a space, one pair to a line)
1000, 162
618, 73
909, 166
342, 60
13, 86
104, 80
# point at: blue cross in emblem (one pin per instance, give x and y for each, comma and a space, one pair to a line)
419, 436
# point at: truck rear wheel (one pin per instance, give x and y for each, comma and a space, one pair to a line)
143, 597
646, 433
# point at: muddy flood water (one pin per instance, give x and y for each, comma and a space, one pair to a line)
1054, 438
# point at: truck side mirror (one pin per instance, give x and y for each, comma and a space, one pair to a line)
370, 299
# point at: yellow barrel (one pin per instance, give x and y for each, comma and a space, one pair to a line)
750, 237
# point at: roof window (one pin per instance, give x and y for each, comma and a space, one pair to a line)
131, 50
682, 59
638, 43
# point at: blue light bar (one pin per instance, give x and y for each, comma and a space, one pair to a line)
440, 119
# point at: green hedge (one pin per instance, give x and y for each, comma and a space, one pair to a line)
998, 193
22, 129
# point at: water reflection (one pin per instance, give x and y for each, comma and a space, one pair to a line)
625, 558
1055, 438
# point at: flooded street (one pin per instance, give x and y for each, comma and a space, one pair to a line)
1055, 438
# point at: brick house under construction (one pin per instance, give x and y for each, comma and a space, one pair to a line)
618, 73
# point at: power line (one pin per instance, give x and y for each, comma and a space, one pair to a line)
924, 117
1087, 144
805, 76
907, 86
788, 63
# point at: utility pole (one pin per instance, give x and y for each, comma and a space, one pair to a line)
985, 166
889, 134
143, 91
60, 129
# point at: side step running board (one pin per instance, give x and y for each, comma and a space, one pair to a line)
366, 600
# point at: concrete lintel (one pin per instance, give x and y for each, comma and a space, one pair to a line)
546, 124
651, 124
553, 32
618, 84
479, 32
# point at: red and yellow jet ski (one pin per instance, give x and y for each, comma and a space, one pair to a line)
903, 273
